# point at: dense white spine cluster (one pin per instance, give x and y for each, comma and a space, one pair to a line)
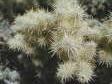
66, 71
85, 72
18, 43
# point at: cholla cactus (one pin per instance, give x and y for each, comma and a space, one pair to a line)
67, 33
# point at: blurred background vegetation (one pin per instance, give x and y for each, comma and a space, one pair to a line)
9, 9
